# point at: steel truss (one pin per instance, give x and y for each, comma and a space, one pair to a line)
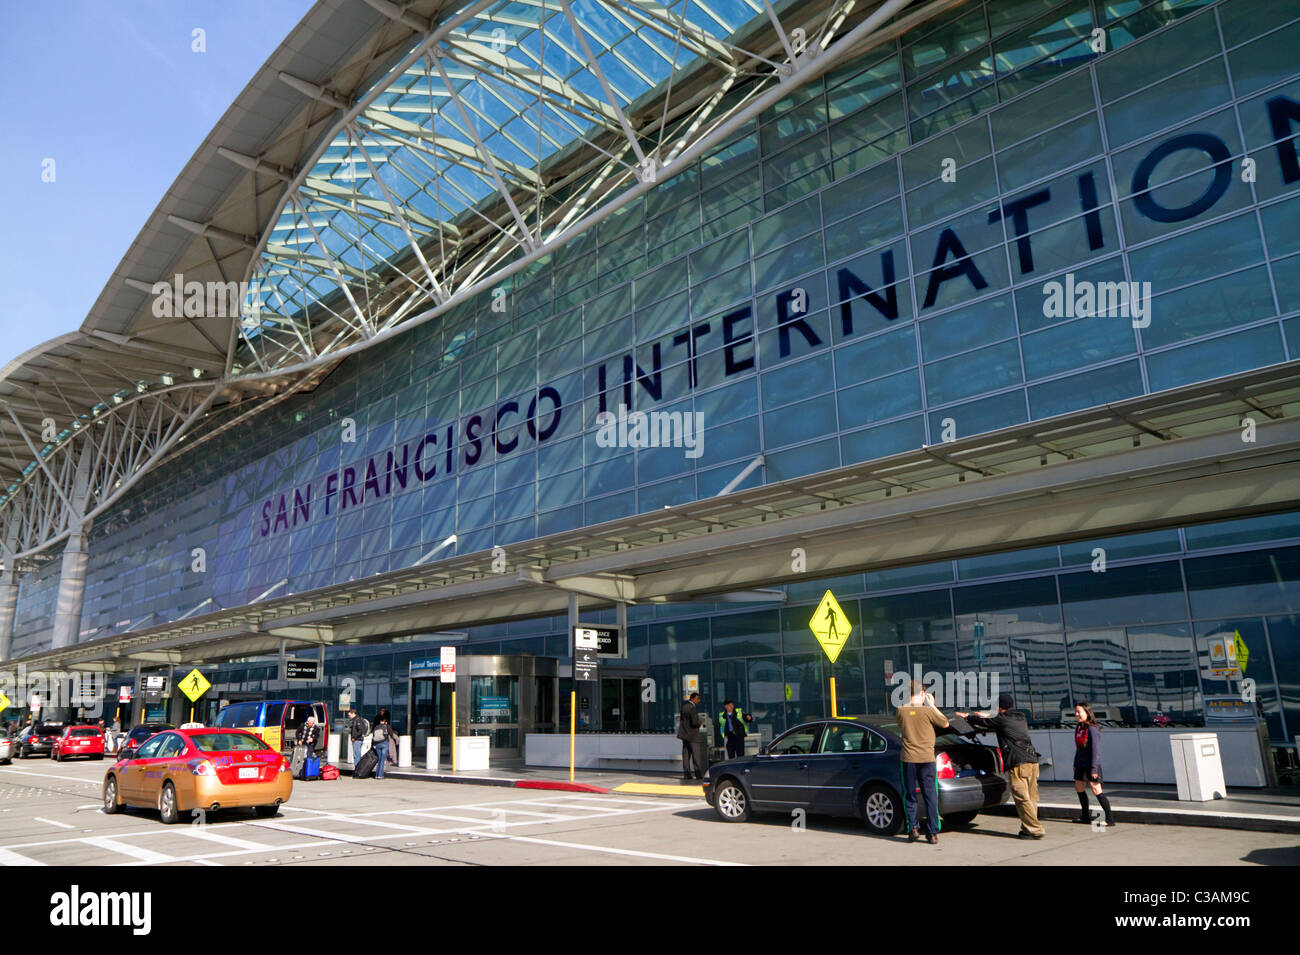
509, 129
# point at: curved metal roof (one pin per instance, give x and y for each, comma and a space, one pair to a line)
388, 162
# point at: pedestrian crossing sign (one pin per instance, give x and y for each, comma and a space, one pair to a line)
194, 685
830, 626
5, 702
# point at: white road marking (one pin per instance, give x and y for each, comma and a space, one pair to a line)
135, 852
8, 858
205, 832
75, 779
52, 822
609, 849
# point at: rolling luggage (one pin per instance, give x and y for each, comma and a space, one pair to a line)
311, 768
297, 761
365, 767
329, 772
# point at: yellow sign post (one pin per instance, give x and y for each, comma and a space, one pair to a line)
573, 727
194, 686
832, 628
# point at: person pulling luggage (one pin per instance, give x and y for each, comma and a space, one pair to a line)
380, 736
358, 730
307, 738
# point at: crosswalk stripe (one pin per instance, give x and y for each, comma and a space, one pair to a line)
8, 858
126, 849
205, 832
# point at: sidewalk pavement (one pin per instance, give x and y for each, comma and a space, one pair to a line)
1259, 810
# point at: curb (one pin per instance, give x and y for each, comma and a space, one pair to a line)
1171, 817
556, 785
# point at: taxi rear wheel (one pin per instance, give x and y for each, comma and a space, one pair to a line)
881, 810
168, 807
111, 805
730, 802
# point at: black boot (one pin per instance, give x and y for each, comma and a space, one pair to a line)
1105, 807
1083, 808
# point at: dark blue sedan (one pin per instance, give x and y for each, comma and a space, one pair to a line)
850, 767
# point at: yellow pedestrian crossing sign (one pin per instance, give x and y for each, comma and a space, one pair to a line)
1243, 652
194, 685
5, 702
830, 626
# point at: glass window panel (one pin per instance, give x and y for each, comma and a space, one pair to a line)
983, 414
877, 355
965, 328
1249, 530
1075, 344
906, 618
1266, 581
1009, 608
992, 565
1086, 390
1175, 97
1099, 675
806, 459
1258, 666
986, 369
1215, 358
880, 400
1284, 636
1039, 679
883, 440
1165, 683
1123, 595
1129, 70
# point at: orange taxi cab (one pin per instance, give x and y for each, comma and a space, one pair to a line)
179, 771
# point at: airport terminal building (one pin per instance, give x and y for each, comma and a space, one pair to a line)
982, 315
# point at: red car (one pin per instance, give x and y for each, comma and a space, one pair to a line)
79, 741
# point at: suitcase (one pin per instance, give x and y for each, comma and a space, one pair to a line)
297, 760
365, 767
311, 768
329, 772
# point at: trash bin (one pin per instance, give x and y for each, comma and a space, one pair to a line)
432, 751
335, 743
1198, 766
404, 752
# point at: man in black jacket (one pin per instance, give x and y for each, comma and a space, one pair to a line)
1012, 728
688, 731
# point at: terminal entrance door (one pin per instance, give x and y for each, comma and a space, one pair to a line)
620, 704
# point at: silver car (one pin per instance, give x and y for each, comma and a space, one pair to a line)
7, 746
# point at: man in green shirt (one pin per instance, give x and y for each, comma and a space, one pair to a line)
917, 721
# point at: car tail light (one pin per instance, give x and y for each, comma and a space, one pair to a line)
284, 765
1002, 767
201, 767
943, 763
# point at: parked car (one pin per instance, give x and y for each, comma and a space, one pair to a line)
139, 734
850, 767
8, 745
178, 771
79, 741
37, 739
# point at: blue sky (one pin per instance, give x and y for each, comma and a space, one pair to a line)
112, 92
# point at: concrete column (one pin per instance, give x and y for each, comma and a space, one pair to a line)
72, 587
8, 609
76, 557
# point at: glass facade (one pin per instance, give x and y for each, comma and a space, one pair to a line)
864, 269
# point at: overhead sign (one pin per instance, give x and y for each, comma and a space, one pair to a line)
830, 626
609, 640
586, 654
194, 685
302, 669
690, 683
447, 665
1229, 709
494, 704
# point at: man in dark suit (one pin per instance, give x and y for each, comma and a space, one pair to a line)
688, 731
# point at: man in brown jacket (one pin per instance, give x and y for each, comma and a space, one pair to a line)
917, 721
1021, 760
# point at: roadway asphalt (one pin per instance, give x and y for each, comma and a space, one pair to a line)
49, 814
